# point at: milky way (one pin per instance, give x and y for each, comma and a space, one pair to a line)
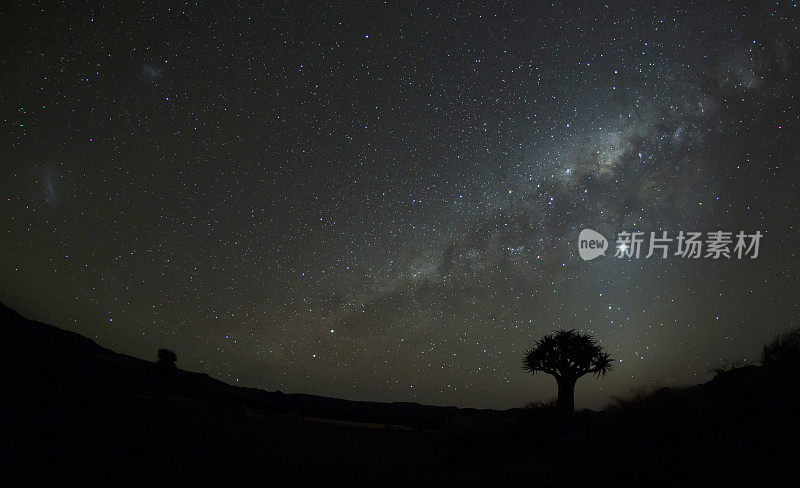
383, 202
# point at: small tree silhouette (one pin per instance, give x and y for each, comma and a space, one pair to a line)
783, 351
167, 358
567, 355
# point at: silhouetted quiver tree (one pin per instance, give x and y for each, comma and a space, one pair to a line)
567, 355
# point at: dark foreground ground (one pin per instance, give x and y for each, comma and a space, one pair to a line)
77, 414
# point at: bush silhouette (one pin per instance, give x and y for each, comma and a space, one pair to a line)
567, 355
167, 358
783, 351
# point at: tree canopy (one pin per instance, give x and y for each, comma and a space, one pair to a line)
567, 354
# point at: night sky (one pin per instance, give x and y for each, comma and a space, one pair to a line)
383, 201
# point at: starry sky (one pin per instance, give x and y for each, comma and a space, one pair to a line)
382, 201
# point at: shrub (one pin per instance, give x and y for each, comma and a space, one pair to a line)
783, 351
167, 358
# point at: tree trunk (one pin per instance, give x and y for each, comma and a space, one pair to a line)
566, 395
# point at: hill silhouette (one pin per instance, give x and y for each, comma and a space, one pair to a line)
47, 352
77, 410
